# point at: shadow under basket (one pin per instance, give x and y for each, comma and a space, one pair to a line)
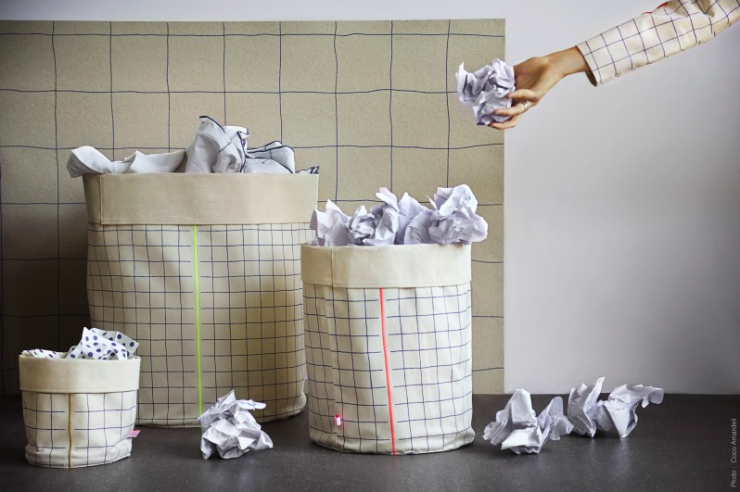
78, 413
388, 347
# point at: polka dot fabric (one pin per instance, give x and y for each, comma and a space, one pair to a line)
103, 345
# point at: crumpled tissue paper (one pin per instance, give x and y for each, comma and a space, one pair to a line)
229, 428
451, 219
95, 344
214, 149
89, 160
44, 354
618, 412
273, 158
517, 428
486, 90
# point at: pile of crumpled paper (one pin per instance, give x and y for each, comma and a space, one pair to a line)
451, 219
518, 429
215, 149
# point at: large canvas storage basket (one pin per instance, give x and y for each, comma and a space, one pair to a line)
388, 347
203, 270
78, 412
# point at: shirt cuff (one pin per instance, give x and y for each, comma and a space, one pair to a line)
593, 74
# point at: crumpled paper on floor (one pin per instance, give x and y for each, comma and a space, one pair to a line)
518, 429
451, 219
214, 149
95, 344
618, 412
486, 90
229, 428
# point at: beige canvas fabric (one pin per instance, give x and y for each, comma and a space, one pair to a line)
199, 198
214, 306
389, 364
78, 413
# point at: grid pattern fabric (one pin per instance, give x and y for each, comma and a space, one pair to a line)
79, 429
372, 103
142, 281
418, 340
673, 27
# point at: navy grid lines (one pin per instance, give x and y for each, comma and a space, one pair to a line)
429, 348
656, 35
345, 376
79, 429
251, 321
140, 282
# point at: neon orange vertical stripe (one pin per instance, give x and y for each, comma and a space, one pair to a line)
387, 373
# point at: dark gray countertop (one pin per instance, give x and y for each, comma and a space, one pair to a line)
680, 445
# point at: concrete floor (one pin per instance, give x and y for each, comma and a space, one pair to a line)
681, 445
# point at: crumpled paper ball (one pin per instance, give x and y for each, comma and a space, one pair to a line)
229, 428
486, 90
618, 412
518, 429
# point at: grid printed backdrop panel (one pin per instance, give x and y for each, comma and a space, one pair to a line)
372, 103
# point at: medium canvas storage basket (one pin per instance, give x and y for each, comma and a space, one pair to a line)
203, 270
78, 412
388, 347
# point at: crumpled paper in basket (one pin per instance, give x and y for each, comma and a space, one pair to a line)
89, 160
486, 90
95, 344
229, 428
618, 412
451, 219
517, 428
214, 149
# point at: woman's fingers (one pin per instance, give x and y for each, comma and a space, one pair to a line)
512, 111
523, 100
525, 95
511, 123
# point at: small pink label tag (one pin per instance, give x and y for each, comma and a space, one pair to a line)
133, 433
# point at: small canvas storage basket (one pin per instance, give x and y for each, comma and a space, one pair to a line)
388, 347
203, 270
78, 412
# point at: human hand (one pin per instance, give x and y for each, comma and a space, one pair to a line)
534, 78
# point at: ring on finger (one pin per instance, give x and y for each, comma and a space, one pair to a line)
526, 106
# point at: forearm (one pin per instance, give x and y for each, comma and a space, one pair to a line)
568, 62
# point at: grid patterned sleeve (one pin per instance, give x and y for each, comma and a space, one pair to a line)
673, 27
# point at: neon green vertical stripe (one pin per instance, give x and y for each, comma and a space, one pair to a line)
197, 318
